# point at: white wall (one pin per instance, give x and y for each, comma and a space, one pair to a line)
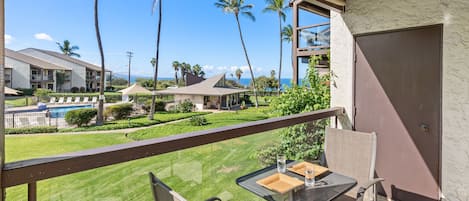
198, 101
78, 71
21, 73
363, 16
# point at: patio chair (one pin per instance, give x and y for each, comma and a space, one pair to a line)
94, 100
69, 100
162, 192
353, 154
52, 100
86, 100
61, 100
77, 100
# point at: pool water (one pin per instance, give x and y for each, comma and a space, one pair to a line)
59, 112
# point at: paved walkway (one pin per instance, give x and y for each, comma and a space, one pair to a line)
125, 130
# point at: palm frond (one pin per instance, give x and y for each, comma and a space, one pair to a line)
249, 15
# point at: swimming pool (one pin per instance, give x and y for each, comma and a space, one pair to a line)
59, 112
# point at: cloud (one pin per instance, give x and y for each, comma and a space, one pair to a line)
43, 36
8, 39
212, 70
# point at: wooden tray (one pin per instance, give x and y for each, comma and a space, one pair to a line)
280, 182
299, 168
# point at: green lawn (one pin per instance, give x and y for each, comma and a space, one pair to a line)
160, 117
197, 173
18, 102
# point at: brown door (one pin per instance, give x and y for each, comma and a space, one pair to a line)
398, 95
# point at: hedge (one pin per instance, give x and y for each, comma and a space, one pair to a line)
119, 111
81, 116
32, 130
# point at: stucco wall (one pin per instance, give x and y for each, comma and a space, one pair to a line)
21, 72
78, 72
198, 101
363, 16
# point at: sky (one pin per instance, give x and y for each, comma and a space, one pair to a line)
193, 31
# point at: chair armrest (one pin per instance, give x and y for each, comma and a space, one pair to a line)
213, 199
361, 191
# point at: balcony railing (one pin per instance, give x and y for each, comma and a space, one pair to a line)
34, 170
314, 39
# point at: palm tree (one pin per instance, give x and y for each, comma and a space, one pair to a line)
279, 7
183, 66
157, 55
99, 118
196, 69
67, 49
237, 7
287, 33
176, 65
238, 73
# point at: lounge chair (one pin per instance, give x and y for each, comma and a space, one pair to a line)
162, 192
77, 100
52, 100
94, 100
86, 100
61, 100
69, 100
353, 154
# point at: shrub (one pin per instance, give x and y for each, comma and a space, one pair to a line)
120, 111
42, 94
26, 91
82, 89
185, 106
159, 105
81, 116
74, 89
198, 121
39, 129
246, 99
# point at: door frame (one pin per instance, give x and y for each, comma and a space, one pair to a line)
440, 84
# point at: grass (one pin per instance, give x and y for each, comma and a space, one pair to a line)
18, 102
160, 117
197, 173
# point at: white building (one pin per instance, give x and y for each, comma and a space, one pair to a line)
23, 71
83, 74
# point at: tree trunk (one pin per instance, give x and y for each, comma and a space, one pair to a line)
281, 53
176, 78
247, 59
155, 76
99, 118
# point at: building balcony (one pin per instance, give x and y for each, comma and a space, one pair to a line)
198, 161
314, 40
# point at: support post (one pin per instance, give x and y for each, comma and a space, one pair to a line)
32, 196
2, 96
295, 43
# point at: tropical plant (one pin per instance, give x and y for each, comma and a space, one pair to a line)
279, 7
119, 111
183, 66
302, 141
68, 49
197, 69
100, 117
80, 117
238, 74
157, 56
238, 7
176, 65
185, 107
60, 79
198, 121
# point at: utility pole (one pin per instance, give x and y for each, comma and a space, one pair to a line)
130, 55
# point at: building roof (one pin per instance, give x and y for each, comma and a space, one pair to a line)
207, 88
32, 60
69, 59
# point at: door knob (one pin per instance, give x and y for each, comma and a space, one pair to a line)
424, 127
